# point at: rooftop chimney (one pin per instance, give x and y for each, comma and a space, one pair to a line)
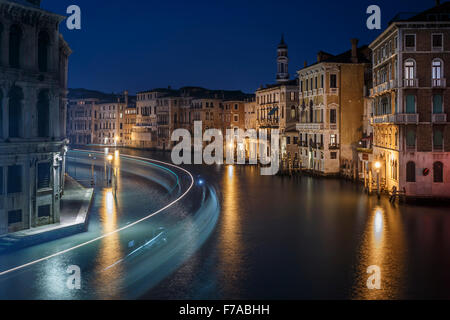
354, 50
305, 64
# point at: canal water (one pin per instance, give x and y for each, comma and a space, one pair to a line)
311, 238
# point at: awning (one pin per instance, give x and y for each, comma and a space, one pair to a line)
272, 112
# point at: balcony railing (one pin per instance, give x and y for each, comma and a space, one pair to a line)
439, 118
406, 118
309, 126
333, 91
381, 88
333, 146
411, 83
400, 118
439, 83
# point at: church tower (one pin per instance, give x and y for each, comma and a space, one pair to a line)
282, 62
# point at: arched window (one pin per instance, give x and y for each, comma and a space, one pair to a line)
15, 112
15, 39
410, 172
43, 113
43, 49
293, 112
410, 73
437, 72
438, 172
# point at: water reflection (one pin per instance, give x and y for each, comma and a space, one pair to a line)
382, 245
230, 249
108, 279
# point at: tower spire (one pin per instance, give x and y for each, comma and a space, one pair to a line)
282, 61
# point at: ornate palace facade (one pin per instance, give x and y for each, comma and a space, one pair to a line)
33, 88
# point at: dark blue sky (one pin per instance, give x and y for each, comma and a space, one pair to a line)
142, 44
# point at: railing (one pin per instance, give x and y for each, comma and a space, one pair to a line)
401, 118
439, 118
411, 83
381, 88
439, 83
406, 118
333, 90
309, 126
333, 146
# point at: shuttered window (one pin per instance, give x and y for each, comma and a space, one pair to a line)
43, 175
438, 139
410, 104
437, 104
411, 138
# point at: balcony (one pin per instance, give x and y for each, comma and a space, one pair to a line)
333, 91
439, 83
406, 118
400, 118
440, 118
333, 146
411, 83
309, 126
383, 88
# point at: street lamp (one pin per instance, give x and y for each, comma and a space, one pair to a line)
110, 159
378, 167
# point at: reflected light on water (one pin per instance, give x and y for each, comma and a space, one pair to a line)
110, 249
378, 224
383, 246
231, 224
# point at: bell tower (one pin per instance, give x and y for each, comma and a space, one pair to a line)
282, 62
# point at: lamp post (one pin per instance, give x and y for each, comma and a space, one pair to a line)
110, 159
377, 167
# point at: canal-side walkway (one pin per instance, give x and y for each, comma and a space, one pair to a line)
75, 205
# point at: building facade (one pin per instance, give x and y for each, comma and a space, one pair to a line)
82, 123
33, 90
410, 104
332, 92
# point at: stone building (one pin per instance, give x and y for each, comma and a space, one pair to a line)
129, 123
33, 89
82, 123
144, 133
277, 103
410, 104
332, 92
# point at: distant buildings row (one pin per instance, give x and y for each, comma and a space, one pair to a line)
377, 113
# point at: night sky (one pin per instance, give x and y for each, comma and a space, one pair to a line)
141, 44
